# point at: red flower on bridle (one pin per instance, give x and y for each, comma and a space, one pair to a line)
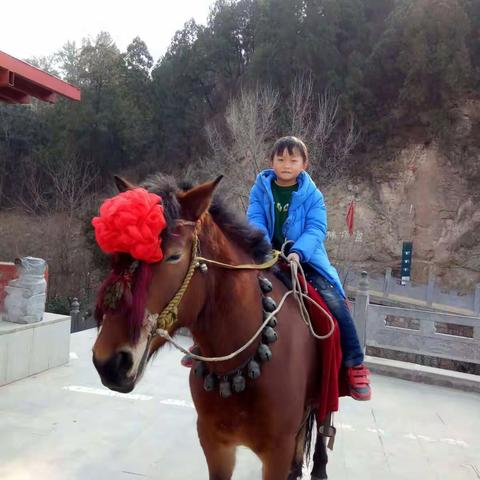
131, 222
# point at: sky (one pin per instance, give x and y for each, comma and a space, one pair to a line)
35, 28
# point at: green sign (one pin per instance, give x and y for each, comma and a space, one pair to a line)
407, 250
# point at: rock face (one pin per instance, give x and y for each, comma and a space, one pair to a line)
428, 194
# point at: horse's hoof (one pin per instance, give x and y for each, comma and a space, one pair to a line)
314, 477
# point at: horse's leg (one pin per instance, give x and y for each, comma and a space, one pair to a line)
320, 459
220, 457
278, 459
220, 460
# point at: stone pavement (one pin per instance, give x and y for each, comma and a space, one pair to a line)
63, 424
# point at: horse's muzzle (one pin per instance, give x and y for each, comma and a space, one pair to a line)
113, 372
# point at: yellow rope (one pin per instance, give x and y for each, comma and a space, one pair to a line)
299, 293
169, 314
247, 266
299, 296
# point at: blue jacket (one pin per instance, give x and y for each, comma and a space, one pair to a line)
306, 223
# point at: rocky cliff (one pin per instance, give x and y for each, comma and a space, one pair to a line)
426, 192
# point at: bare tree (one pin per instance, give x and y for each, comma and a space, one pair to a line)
5, 134
316, 119
31, 195
55, 196
71, 182
54, 187
335, 162
240, 144
241, 149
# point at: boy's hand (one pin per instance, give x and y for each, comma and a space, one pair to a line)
293, 257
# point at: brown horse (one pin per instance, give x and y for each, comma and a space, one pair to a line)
264, 406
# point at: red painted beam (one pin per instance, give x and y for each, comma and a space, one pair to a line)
38, 77
13, 96
4, 98
19, 84
22, 85
6, 78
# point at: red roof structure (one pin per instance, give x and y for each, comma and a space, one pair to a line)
20, 81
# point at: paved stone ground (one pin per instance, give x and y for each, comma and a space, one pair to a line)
62, 424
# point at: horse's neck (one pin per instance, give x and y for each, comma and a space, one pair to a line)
233, 310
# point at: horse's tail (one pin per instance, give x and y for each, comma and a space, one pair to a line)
309, 437
304, 442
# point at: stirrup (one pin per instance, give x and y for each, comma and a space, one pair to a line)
327, 430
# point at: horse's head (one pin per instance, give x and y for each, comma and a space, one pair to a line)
126, 338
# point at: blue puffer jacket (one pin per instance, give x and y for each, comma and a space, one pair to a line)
306, 223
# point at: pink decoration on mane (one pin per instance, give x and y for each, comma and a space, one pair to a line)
131, 222
132, 302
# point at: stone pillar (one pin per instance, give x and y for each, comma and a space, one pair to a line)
476, 309
430, 286
75, 315
476, 300
26, 295
387, 282
361, 309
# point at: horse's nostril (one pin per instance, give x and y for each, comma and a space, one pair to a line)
113, 372
124, 361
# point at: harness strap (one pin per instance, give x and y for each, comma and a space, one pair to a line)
168, 316
248, 266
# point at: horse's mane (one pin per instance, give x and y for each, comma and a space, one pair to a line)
230, 222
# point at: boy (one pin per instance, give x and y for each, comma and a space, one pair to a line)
286, 204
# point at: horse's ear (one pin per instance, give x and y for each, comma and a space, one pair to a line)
122, 184
195, 202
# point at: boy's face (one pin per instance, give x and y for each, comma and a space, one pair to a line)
288, 167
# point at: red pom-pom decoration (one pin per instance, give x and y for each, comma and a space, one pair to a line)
131, 222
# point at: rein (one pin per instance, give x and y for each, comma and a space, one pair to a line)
169, 316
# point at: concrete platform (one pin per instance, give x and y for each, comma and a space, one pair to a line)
30, 348
62, 424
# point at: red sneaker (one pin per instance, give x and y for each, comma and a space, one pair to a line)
187, 360
358, 383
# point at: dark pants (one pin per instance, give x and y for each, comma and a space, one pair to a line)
351, 349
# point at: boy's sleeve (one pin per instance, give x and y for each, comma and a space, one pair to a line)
256, 211
315, 231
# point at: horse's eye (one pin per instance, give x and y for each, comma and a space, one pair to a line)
174, 258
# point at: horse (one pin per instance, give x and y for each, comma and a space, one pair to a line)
264, 401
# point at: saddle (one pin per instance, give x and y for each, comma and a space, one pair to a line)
333, 382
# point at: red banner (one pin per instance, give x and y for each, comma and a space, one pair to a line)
350, 216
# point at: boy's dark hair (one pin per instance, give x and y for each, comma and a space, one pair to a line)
289, 143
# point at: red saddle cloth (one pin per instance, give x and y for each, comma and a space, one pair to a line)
333, 382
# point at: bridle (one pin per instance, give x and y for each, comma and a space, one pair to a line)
169, 316
164, 321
